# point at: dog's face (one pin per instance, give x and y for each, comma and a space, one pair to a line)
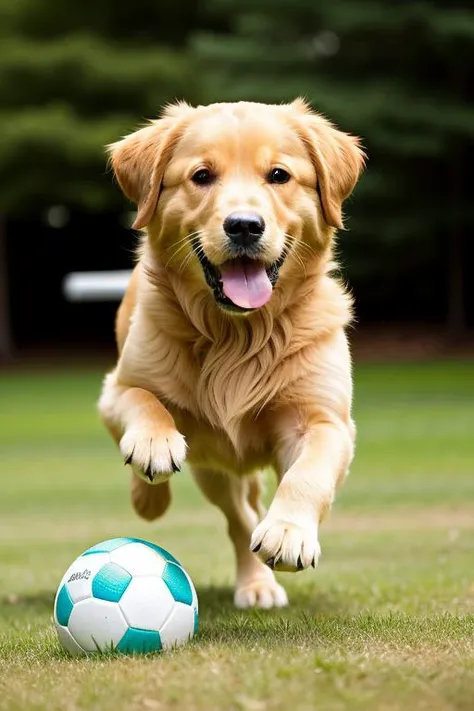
232, 192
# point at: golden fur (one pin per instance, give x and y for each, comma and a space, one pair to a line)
232, 394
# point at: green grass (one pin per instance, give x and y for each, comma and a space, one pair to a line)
386, 622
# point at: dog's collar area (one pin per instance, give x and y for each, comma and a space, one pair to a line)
214, 281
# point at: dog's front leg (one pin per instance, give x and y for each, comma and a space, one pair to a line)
144, 430
313, 459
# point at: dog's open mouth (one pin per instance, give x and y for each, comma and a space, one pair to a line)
242, 283
246, 283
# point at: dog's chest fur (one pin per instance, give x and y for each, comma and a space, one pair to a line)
219, 387
226, 385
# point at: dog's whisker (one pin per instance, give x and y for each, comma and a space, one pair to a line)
198, 250
299, 250
185, 263
300, 257
300, 261
181, 244
186, 237
292, 248
175, 254
291, 243
307, 248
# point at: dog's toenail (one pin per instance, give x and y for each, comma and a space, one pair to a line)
270, 562
256, 548
299, 564
150, 474
129, 457
174, 466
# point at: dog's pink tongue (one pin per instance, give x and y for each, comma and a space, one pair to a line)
246, 283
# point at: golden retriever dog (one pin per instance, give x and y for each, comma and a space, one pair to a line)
233, 355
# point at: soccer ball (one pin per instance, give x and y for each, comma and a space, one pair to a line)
126, 595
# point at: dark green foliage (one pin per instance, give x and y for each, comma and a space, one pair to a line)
75, 76
396, 73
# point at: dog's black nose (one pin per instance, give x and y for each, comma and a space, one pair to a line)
244, 228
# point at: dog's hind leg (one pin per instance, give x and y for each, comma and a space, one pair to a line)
150, 502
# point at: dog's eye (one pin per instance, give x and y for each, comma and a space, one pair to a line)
279, 176
203, 176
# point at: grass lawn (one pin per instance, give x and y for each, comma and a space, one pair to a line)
386, 622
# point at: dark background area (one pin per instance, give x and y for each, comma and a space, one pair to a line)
74, 77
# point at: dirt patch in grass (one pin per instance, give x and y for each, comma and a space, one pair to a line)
444, 518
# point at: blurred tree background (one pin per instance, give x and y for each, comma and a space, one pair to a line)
74, 77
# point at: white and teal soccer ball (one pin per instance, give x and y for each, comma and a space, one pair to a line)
127, 595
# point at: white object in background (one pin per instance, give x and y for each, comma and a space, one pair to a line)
96, 286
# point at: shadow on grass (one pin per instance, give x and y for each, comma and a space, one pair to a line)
303, 621
213, 602
309, 619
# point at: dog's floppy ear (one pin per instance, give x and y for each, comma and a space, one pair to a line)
337, 157
139, 160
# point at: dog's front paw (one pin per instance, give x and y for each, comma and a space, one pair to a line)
154, 456
284, 545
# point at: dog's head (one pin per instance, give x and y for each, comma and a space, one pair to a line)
232, 192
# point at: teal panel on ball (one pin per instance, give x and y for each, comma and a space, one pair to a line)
110, 582
137, 641
178, 584
64, 606
196, 620
108, 546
